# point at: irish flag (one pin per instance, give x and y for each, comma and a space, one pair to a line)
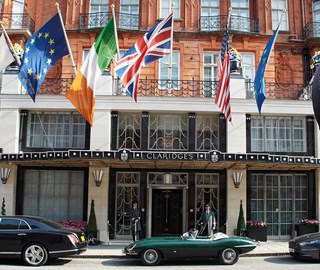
81, 92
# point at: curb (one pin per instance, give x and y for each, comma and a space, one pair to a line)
97, 256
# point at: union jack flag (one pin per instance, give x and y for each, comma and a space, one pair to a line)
155, 44
223, 92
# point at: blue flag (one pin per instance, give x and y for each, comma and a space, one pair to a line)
259, 83
42, 50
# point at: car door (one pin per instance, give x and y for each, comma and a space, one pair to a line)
12, 234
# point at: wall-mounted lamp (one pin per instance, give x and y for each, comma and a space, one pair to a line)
5, 173
237, 177
97, 176
167, 179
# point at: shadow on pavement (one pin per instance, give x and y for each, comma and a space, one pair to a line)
137, 262
288, 260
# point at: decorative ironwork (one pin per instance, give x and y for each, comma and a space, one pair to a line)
207, 192
127, 191
100, 19
237, 23
17, 21
176, 88
168, 131
207, 128
129, 131
285, 91
160, 178
311, 30
187, 88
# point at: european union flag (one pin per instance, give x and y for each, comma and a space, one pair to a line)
42, 50
259, 83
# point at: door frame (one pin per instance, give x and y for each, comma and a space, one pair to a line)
149, 206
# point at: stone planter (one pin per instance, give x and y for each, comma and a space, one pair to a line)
306, 228
257, 233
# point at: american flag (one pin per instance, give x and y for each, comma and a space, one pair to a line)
155, 44
223, 93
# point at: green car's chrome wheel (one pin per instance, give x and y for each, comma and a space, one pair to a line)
228, 256
150, 257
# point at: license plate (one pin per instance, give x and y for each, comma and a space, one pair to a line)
82, 238
291, 250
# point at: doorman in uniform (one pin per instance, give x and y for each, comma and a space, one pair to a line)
208, 221
135, 219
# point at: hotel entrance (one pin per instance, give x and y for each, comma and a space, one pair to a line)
167, 211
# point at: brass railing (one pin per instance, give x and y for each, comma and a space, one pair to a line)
100, 19
237, 24
17, 21
311, 30
186, 88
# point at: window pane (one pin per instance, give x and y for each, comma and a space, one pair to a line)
277, 9
56, 130
57, 195
278, 134
166, 8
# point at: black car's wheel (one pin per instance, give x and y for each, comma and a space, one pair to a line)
228, 256
150, 257
35, 254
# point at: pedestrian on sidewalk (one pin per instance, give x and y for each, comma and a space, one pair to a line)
135, 219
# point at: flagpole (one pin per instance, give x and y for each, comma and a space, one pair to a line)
66, 38
170, 60
118, 53
115, 31
229, 17
278, 28
10, 43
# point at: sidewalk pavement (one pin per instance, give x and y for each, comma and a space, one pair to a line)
114, 249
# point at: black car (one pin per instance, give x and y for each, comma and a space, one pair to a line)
306, 246
37, 239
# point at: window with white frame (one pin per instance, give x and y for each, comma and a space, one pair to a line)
169, 70
248, 65
168, 131
278, 7
240, 19
0, 6
210, 72
165, 8
17, 8
129, 14
316, 17
54, 194
55, 130
210, 11
278, 134
98, 6
98, 13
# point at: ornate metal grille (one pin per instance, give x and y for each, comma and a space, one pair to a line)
17, 21
160, 178
168, 131
207, 192
207, 132
238, 24
129, 125
127, 190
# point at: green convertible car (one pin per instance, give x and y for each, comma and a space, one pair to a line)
190, 246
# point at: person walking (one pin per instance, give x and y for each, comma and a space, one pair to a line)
208, 221
135, 219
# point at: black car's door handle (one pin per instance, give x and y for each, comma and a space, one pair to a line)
21, 234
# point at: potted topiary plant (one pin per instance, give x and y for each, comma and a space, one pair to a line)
92, 225
3, 207
241, 225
